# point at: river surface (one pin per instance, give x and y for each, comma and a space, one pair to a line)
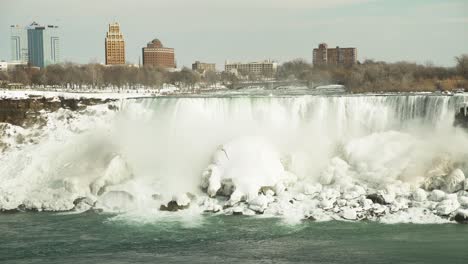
106, 238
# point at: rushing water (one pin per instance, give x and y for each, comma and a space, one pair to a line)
93, 238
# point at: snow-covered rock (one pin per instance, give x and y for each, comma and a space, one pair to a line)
447, 206
463, 200
249, 163
450, 183
419, 195
259, 203
349, 213
437, 195
454, 181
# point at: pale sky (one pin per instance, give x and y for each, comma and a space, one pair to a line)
248, 30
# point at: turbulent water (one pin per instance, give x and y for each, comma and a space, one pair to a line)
394, 158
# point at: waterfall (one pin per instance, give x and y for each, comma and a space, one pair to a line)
162, 147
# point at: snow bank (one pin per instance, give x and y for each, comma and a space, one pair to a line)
99, 94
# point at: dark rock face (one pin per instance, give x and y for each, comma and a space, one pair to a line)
461, 218
84, 200
172, 206
376, 198
24, 112
461, 118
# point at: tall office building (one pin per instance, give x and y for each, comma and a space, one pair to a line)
43, 45
19, 44
157, 55
334, 56
115, 45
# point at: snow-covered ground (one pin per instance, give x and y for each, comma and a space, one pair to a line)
104, 94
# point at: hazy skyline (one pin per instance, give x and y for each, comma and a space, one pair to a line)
248, 30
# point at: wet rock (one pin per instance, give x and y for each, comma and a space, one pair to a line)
172, 206
461, 216
83, 204
238, 210
376, 198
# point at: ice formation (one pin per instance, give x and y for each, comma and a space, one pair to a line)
385, 158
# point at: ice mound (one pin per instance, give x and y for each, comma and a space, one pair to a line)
117, 172
242, 167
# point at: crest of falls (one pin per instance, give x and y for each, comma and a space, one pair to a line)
250, 154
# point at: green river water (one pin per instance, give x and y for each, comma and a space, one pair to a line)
105, 238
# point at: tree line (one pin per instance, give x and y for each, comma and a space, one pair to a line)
378, 76
99, 76
368, 76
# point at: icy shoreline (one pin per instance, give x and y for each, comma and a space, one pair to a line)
102, 159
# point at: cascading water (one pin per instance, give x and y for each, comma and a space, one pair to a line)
324, 157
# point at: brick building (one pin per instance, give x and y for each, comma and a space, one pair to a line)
115, 46
157, 55
334, 56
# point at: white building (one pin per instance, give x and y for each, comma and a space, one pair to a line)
3, 66
265, 68
19, 43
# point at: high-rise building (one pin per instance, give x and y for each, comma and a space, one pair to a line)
202, 67
19, 43
115, 45
157, 55
43, 45
265, 68
334, 56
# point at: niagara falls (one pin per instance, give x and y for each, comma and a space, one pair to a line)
246, 131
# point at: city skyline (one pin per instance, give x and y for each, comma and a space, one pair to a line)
419, 31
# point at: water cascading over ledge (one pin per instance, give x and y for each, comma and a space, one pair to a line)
307, 156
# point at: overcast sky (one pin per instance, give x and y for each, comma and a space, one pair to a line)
246, 30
